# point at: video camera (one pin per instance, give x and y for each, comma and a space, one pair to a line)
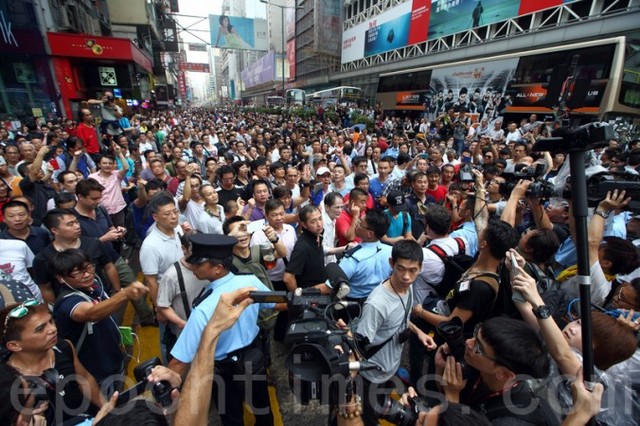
161, 391
319, 349
539, 188
600, 183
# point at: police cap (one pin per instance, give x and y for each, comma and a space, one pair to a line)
210, 246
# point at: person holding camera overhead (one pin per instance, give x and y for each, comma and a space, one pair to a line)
238, 354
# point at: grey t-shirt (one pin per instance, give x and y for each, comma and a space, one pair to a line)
384, 315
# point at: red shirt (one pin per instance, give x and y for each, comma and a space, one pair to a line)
370, 203
440, 193
89, 136
342, 226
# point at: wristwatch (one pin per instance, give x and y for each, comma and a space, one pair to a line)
542, 312
603, 214
275, 241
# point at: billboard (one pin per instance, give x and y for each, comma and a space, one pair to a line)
327, 26
396, 27
261, 71
197, 47
452, 16
233, 32
479, 88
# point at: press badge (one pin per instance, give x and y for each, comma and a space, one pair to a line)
464, 286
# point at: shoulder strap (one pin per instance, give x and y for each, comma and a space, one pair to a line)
438, 251
405, 222
183, 291
88, 326
375, 349
461, 245
491, 279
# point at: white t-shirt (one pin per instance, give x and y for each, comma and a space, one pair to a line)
15, 258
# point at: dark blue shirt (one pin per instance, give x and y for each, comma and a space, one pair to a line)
37, 239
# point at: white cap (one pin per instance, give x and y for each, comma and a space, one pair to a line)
322, 170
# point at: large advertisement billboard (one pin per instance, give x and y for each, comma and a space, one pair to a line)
233, 32
452, 16
416, 21
397, 27
260, 72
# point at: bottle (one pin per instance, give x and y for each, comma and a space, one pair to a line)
268, 255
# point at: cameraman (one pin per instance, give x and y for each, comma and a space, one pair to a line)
381, 331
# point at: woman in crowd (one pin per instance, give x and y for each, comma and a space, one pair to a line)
33, 349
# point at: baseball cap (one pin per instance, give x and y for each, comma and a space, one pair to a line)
322, 170
396, 200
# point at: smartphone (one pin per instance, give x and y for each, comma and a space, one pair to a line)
256, 225
268, 296
516, 296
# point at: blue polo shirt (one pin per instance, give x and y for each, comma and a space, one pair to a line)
37, 239
241, 335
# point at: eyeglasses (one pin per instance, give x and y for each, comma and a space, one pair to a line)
478, 347
20, 311
86, 269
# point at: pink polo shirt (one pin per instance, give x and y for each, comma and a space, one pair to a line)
112, 198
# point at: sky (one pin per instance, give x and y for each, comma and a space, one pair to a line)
203, 8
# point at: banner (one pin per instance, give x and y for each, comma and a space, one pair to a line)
261, 71
193, 67
411, 100
233, 32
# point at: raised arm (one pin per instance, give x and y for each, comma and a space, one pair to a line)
480, 212
510, 211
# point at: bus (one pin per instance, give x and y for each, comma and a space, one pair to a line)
295, 97
275, 101
341, 95
585, 81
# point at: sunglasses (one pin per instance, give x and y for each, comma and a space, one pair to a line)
20, 311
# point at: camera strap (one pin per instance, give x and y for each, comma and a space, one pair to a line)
183, 291
407, 309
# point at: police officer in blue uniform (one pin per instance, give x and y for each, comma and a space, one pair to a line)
238, 354
367, 265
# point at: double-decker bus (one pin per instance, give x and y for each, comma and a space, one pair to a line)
587, 80
337, 96
275, 101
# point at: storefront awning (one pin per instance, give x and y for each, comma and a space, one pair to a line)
93, 47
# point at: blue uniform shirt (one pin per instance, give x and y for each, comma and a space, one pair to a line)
243, 332
366, 268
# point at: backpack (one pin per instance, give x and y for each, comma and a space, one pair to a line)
551, 292
454, 266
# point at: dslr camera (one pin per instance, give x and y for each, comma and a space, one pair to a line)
161, 391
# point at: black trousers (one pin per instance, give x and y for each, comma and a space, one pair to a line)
239, 378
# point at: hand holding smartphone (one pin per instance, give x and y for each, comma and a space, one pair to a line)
516, 296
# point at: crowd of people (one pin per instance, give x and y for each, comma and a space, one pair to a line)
182, 213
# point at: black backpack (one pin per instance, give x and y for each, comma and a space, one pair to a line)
551, 292
454, 266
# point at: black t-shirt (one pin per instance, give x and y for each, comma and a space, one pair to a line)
476, 296
92, 246
307, 261
226, 195
40, 193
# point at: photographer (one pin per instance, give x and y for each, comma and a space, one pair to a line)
382, 331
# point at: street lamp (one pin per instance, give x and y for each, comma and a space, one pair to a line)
282, 8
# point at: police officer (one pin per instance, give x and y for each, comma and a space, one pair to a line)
238, 353
367, 265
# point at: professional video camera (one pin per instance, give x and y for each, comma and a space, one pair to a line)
161, 391
539, 188
600, 183
319, 349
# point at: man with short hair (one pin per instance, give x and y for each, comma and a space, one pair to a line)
385, 325
87, 132
255, 211
17, 217
111, 179
67, 234
378, 183
306, 265
348, 219
239, 360
227, 190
